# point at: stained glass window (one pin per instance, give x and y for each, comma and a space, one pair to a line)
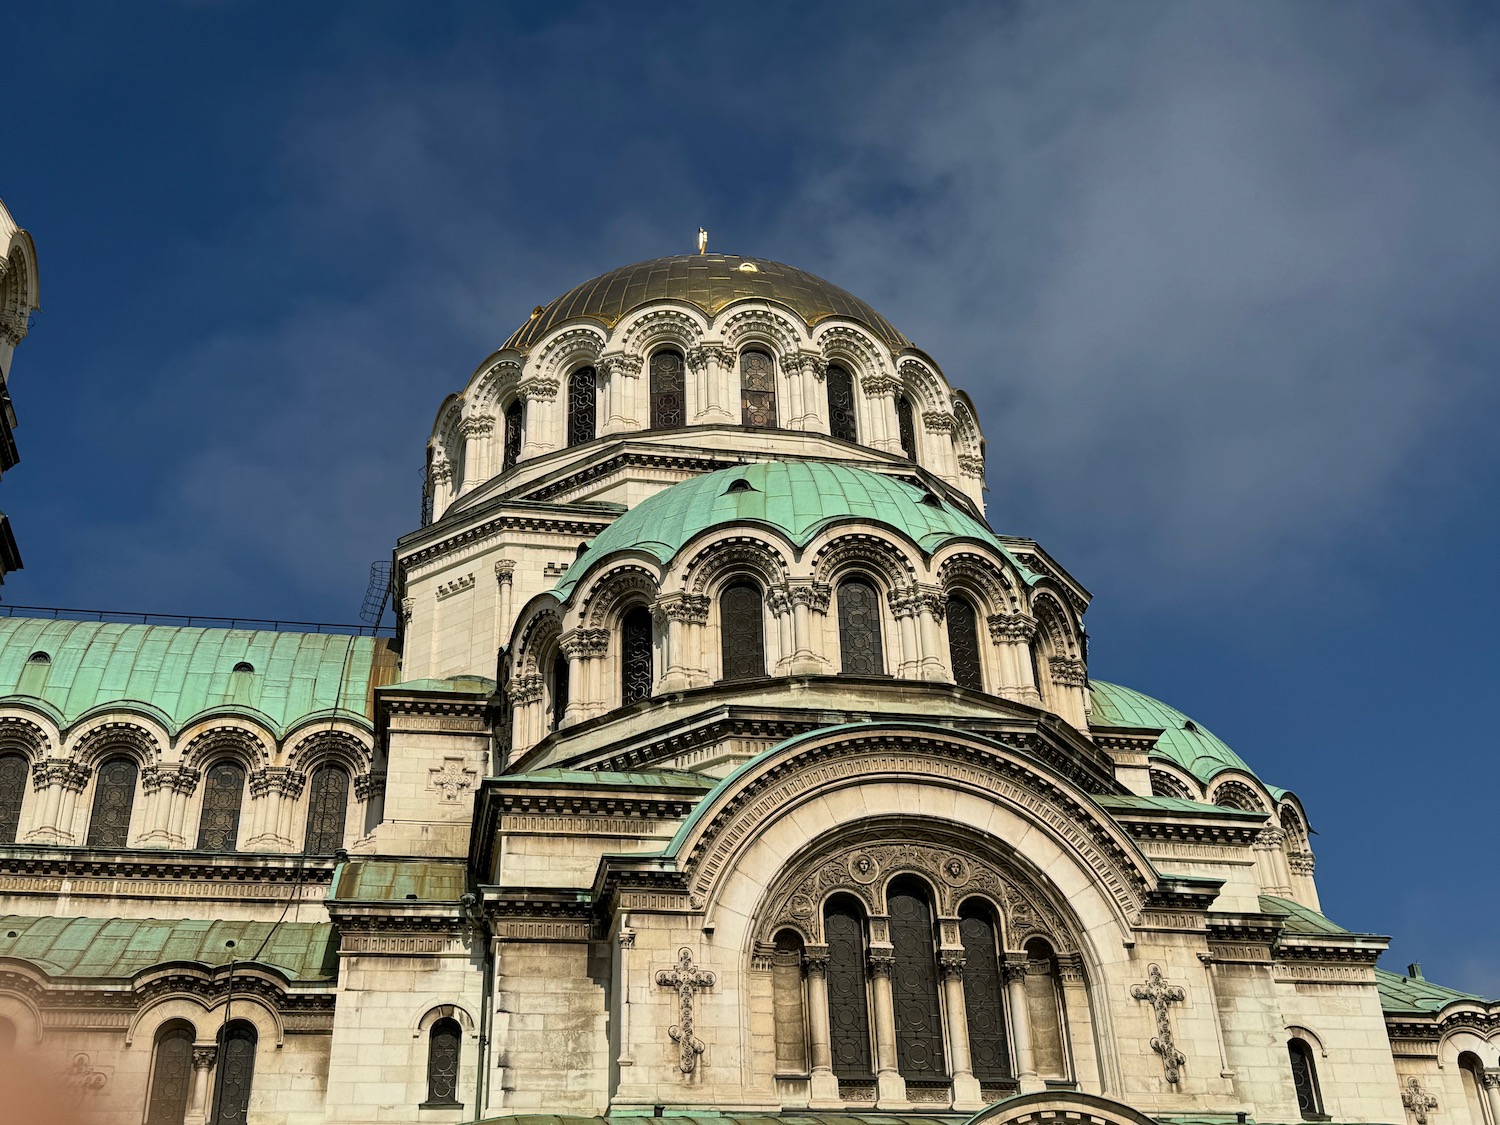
443, 1043
219, 824
171, 1074
848, 1008
742, 632
327, 805
513, 422
13, 774
114, 798
583, 393
859, 628
963, 643
636, 671
914, 983
907, 426
984, 993
667, 406
1305, 1079
559, 689
841, 422
236, 1071
757, 389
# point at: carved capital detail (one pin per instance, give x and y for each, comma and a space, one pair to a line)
620, 363
69, 774
1067, 671
505, 571
938, 421
689, 608
1011, 628
281, 780
585, 643
526, 688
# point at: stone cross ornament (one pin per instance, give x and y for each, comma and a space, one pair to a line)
686, 979
1159, 993
1418, 1100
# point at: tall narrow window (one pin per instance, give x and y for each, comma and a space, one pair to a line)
583, 393
742, 632
984, 993
1305, 1079
13, 771
636, 671
513, 426
219, 824
848, 1007
114, 798
236, 1069
841, 422
859, 628
667, 406
327, 805
906, 426
963, 643
443, 1043
757, 389
914, 984
559, 689
171, 1074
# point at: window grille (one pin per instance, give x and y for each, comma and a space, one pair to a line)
757, 389
742, 633
13, 774
559, 689
984, 993
963, 644
859, 628
906, 426
636, 666
667, 406
848, 1006
114, 798
219, 823
914, 983
236, 1073
512, 436
327, 805
443, 1043
841, 423
583, 394
171, 1075
1305, 1079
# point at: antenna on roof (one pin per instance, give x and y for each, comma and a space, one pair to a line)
702, 241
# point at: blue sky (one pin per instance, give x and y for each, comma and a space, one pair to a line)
1221, 278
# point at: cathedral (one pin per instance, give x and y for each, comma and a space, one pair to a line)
724, 764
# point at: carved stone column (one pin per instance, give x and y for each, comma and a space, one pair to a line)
59, 780
585, 650
203, 1066
528, 726
722, 404
505, 573
811, 369
939, 445
684, 616
620, 376
440, 478
890, 1087
1491, 1080
779, 602
1270, 862
922, 656
823, 1090
1020, 1022
540, 424
880, 403
167, 790
808, 598
966, 1092
1070, 679
1012, 634
476, 430
909, 659
273, 795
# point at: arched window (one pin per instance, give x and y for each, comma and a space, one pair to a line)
514, 423
859, 628
841, 423
114, 798
667, 405
13, 773
443, 1043
236, 1072
757, 389
559, 689
636, 672
219, 823
583, 394
327, 805
171, 1074
1305, 1079
848, 1005
906, 426
787, 1005
914, 981
963, 643
742, 632
984, 992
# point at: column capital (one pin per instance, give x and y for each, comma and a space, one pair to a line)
1490, 1078
281, 780
815, 960
689, 608
882, 962
619, 363
60, 771
505, 571
203, 1057
1011, 628
1014, 967
952, 962
585, 643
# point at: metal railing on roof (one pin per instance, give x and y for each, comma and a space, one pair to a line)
57, 613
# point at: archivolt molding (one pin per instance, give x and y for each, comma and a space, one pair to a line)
979, 575
429, 1016
323, 746
569, 349
1234, 794
603, 601
864, 551
115, 736
1167, 784
239, 743
924, 384
1055, 625
853, 349
662, 325
925, 757
1054, 1106
966, 433
18, 733
748, 327
499, 379
542, 628
707, 568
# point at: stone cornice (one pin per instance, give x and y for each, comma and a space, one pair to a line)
173, 865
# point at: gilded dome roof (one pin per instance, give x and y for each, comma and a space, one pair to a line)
709, 281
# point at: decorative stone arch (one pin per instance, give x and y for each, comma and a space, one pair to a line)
853, 348
1237, 794
772, 329
876, 552
187, 995
967, 442
704, 567
990, 583
211, 744
447, 434
1053, 1106
927, 389
669, 324
565, 351
422, 1023
497, 377
24, 1015
1057, 628
19, 734
18, 287
1312, 1038
108, 738
1170, 783
324, 746
1293, 822
603, 597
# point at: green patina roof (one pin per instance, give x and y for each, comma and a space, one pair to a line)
179, 672
470, 685
1184, 742
399, 880
797, 498
1173, 804
659, 779
1413, 994
121, 947
1299, 919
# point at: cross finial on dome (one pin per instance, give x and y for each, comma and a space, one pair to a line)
702, 241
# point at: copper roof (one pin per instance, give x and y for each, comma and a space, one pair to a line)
709, 281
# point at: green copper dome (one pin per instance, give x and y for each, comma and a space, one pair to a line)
797, 498
709, 281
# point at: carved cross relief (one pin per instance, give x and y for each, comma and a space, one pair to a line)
451, 779
1159, 993
1418, 1100
686, 979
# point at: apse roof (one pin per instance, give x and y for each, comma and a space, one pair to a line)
1413, 994
178, 672
796, 498
709, 281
